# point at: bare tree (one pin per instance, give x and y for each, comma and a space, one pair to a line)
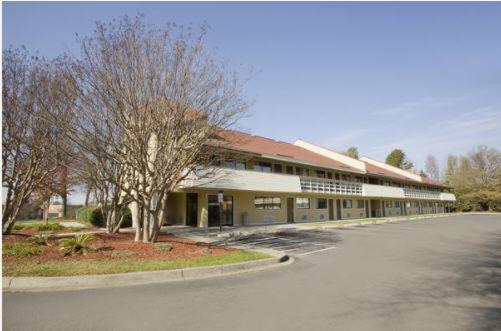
30, 142
149, 104
431, 167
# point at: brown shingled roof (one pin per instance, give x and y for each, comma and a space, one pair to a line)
375, 170
431, 181
378, 171
255, 144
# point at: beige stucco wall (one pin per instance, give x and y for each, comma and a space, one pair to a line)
176, 209
243, 204
392, 211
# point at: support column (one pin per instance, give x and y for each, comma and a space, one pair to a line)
203, 216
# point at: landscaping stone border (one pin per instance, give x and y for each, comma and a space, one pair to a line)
36, 284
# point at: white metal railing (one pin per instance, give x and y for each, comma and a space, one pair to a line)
421, 194
329, 186
447, 196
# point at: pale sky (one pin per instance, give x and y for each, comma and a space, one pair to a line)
424, 77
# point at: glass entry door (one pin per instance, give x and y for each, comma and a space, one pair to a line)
215, 212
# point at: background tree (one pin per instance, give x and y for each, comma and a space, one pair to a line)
30, 142
451, 169
398, 159
352, 152
476, 179
431, 167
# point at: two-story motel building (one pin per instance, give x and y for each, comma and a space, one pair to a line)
265, 181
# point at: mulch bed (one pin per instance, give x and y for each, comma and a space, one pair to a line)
106, 244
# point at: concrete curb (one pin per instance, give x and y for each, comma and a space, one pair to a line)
356, 223
38, 284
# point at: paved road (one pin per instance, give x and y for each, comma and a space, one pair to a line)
440, 274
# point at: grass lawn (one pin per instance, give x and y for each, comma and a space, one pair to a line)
97, 267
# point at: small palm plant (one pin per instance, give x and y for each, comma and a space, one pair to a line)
38, 239
76, 245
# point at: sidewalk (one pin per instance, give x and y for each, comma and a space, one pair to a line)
214, 234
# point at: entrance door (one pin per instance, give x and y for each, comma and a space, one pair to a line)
338, 209
367, 211
331, 209
191, 209
290, 210
217, 214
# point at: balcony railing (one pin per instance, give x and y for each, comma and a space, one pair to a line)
421, 194
329, 186
245, 180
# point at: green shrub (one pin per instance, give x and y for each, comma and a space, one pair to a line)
78, 244
123, 254
163, 247
20, 250
91, 215
47, 227
19, 227
39, 240
73, 229
38, 227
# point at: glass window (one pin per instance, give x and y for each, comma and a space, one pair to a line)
347, 204
346, 178
289, 170
302, 171
233, 164
389, 204
359, 179
320, 173
302, 203
321, 203
277, 168
360, 204
267, 203
397, 204
262, 166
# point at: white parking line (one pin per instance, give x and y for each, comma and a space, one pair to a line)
317, 251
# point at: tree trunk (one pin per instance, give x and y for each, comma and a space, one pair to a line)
87, 196
162, 215
117, 227
136, 216
146, 222
64, 197
45, 207
10, 218
110, 218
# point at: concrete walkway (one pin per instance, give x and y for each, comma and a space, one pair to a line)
214, 234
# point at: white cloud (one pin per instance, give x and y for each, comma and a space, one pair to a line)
416, 107
455, 135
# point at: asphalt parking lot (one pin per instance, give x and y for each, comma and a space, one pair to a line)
291, 242
430, 274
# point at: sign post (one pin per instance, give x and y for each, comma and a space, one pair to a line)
220, 199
